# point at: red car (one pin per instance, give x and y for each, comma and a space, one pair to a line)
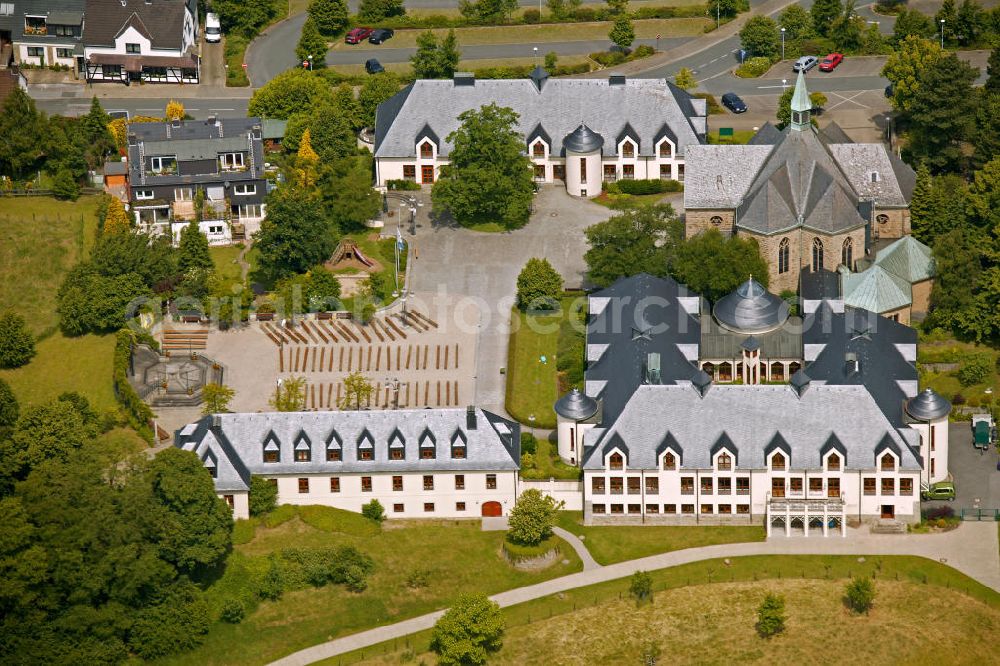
829, 63
358, 35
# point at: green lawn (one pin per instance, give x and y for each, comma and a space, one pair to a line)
62, 364
934, 349
40, 240
457, 555
226, 266
545, 463
531, 383
738, 137
617, 543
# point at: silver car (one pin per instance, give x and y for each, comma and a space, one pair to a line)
805, 63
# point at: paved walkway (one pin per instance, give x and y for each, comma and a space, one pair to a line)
972, 549
573, 540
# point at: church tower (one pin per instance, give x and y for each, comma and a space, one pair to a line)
801, 105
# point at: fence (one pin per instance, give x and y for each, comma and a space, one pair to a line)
980, 514
46, 193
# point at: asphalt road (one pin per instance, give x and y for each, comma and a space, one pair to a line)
198, 108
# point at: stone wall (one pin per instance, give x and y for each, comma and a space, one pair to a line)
697, 221
897, 222
922, 296
800, 253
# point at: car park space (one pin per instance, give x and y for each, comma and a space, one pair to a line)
974, 471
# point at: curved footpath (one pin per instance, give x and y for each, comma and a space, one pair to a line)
972, 549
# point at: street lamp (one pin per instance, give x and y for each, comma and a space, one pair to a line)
888, 130
784, 84
535, 49
942, 34
310, 62
782, 43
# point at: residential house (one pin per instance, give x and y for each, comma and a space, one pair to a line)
44, 32
153, 41
742, 413
418, 463
170, 162
580, 132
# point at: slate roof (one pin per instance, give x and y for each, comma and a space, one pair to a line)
237, 442
560, 106
928, 406
876, 290
818, 285
583, 140
719, 176
719, 343
909, 259
754, 419
57, 12
859, 161
161, 21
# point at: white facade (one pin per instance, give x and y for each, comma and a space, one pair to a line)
933, 449
570, 438
45, 55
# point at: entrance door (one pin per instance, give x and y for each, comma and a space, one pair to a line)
778, 487
559, 171
833, 487
427, 174
888, 511
492, 509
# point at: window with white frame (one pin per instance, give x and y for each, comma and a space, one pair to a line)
166, 164
249, 210
133, 48
666, 150
183, 194
231, 161
245, 188
538, 149
64, 53
628, 149
35, 51
216, 229
143, 194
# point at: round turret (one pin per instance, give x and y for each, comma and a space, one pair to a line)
928, 405
750, 309
575, 406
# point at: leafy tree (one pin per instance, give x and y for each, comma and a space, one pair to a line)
245, 17
373, 511
117, 220
17, 344
562, 9
941, 117
949, 15
487, 11
346, 187
910, 22
538, 286
290, 395
860, 595
714, 266
685, 80
347, 106
176, 624
93, 303
47, 432
872, 41
641, 587
9, 409
22, 133
622, 33
551, 60
617, 6
330, 16
378, 10
724, 8
153, 260
847, 29
174, 111
992, 85
532, 518
323, 287
216, 398
771, 616
824, 13
290, 92
489, 177
796, 21
958, 259
906, 66
784, 112
295, 235
635, 240
375, 90
434, 60
969, 22
468, 632
357, 389
263, 495
922, 205
986, 133
312, 45
330, 134
193, 250
976, 368
983, 199
760, 37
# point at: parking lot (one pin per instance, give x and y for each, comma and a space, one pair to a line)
977, 481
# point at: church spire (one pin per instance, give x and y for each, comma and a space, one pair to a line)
801, 104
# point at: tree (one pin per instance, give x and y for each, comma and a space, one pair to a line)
986, 134
685, 80
312, 45
551, 60
346, 187
538, 286
357, 389
263, 495
784, 113
294, 91
969, 23
713, 266
290, 395
468, 632
378, 10
922, 205
796, 21
489, 178
94, 126
22, 133
117, 220
617, 6
295, 235
941, 118
911, 22
532, 518
949, 15
174, 111
216, 398
984, 198
245, 17
622, 33
905, 67
957, 256
435, 60
65, 185
771, 616
724, 8
17, 344
373, 511
9, 409
375, 90
330, 17
846, 31
93, 303
487, 11
562, 9
824, 13
992, 85
641, 587
193, 250
860, 595
760, 37
347, 105
330, 134
175, 625
48, 432
975, 369
635, 240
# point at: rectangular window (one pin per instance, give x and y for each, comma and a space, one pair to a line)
597, 485
183, 194
164, 165
458, 452
491, 482
869, 486
397, 508
459, 506
539, 171
666, 172
932, 466
628, 171
143, 195
366, 484
725, 486
617, 485
687, 508
428, 507
35, 51
427, 453
652, 486
617, 509
111, 70
302, 455
633, 485
599, 508
270, 456
610, 173
397, 483
366, 454
64, 53
906, 487
244, 211
231, 161
706, 486
334, 484
333, 455
396, 453
215, 229
583, 169
795, 485
133, 48
229, 500
244, 189
652, 508
815, 485
410, 172
725, 508
303, 485
428, 482
888, 486
706, 508
743, 485
687, 485
931, 428
742, 508
213, 472
459, 482
634, 509
669, 508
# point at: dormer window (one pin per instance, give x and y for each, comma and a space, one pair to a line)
333, 454
272, 449
628, 149
366, 446
334, 447
616, 461
427, 451
874, 176
778, 462
669, 461
538, 149
231, 161
302, 454
458, 444
888, 463
426, 150
666, 150
724, 462
211, 466
397, 446
833, 463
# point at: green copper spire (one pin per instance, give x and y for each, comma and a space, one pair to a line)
801, 104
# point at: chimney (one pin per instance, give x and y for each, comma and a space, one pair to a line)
616, 80
470, 417
216, 420
852, 363
464, 79
211, 120
652, 375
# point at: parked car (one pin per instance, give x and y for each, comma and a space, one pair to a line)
358, 35
829, 63
889, 90
804, 64
733, 102
373, 66
115, 115
379, 35
213, 28
983, 431
942, 490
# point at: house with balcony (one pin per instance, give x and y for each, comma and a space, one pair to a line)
741, 413
217, 163
43, 33
578, 132
150, 41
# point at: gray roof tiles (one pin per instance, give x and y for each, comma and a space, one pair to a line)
859, 161
718, 176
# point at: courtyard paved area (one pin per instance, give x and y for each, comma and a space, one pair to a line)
977, 481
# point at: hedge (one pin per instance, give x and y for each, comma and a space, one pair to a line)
531, 16
612, 58
402, 184
753, 67
139, 413
651, 186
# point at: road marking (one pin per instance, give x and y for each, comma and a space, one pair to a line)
766, 87
847, 99
147, 109
714, 76
222, 109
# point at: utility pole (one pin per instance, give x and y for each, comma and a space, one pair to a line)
942, 34
782, 43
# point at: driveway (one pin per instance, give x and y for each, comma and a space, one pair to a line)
213, 64
977, 481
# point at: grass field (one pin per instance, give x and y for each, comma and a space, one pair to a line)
457, 555
531, 384
40, 240
933, 349
704, 613
617, 543
465, 66
546, 463
226, 266
738, 137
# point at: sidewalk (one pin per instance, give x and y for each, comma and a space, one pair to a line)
156, 91
972, 549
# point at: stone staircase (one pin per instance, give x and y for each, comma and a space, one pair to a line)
888, 526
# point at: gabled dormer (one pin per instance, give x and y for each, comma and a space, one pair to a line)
669, 454
459, 444
397, 445
366, 446
627, 143
302, 447
334, 447
778, 454
616, 454
211, 463
665, 143
539, 143
724, 454
833, 454
427, 143
887, 454
272, 448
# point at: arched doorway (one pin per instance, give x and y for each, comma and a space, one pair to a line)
492, 509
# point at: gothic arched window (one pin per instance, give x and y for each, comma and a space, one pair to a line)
783, 256
847, 253
817, 263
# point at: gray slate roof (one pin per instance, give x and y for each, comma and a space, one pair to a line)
876, 290
236, 442
161, 21
560, 107
57, 12
754, 419
719, 176
859, 161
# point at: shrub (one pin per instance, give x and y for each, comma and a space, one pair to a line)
753, 67
263, 495
641, 587
402, 184
975, 369
532, 518
272, 585
140, 415
958, 399
373, 511
939, 512
538, 286
233, 611
355, 579
642, 51
570, 353
528, 443
771, 616
17, 344
469, 632
860, 595
649, 186
531, 16
584, 14
711, 104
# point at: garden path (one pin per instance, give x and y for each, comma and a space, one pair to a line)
581, 549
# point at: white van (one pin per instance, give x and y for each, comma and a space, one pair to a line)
213, 29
